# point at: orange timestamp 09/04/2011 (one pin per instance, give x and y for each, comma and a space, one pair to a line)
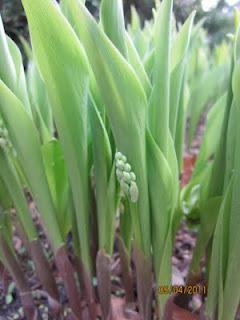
187, 289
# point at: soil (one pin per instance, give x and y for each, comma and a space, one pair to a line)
10, 304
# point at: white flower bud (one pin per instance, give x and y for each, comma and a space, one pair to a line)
119, 174
3, 142
127, 167
118, 156
5, 132
134, 193
124, 187
133, 176
126, 177
124, 159
121, 208
120, 164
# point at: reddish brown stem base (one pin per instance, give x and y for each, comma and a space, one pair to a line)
104, 284
66, 271
18, 276
88, 291
43, 270
127, 278
144, 283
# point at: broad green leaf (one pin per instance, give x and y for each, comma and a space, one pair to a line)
149, 63
178, 65
181, 123
219, 256
102, 162
21, 87
181, 43
163, 201
231, 143
160, 98
7, 67
112, 19
63, 66
125, 103
211, 137
203, 167
11, 181
39, 98
231, 289
135, 61
58, 182
209, 87
162, 205
26, 47
217, 181
140, 40
6, 202
209, 216
25, 140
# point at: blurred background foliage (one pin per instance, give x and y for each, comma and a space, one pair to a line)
218, 13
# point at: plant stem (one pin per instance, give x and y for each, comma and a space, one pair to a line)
18, 276
127, 278
43, 270
88, 291
144, 283
104, 284
124, 245
67, 274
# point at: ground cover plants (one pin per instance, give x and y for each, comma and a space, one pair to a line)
93, 131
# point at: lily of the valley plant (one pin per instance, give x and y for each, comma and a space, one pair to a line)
94, 129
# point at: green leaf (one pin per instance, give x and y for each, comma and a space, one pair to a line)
207, 89
231, 289
178, 65
39, 99
112, 19
219, 256
125, 103
162, 205
135, 61
209, 216
25, 140
63, 66
160, 98
7, 67
211, 137
58, 182
11, 181
103, 167
163, 201
6, 202
20, 89
182, 41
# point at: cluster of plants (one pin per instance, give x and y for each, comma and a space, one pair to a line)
94, 131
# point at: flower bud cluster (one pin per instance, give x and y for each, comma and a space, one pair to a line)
126, 177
